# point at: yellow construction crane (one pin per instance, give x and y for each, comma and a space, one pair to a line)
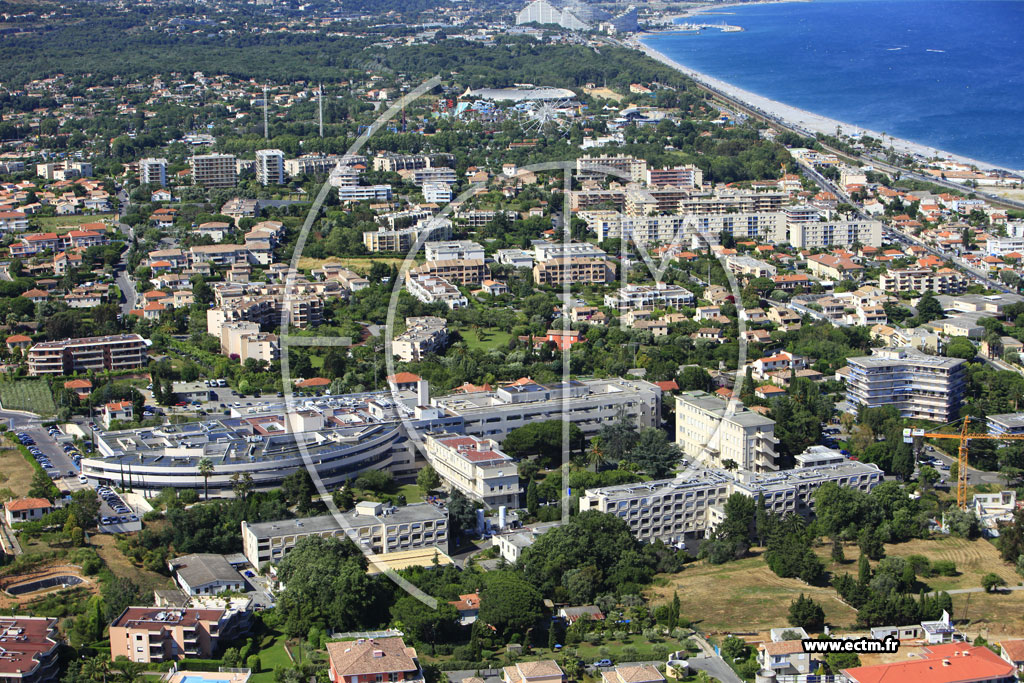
910, 435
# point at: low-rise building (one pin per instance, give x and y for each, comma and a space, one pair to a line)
662, 295
160, 634
560, 271
372, 526
948, 663
543, 671
30, 649
206, 574
26, 509
117, 410
70, 356
373, 660
435, 289
422, 336
475, 466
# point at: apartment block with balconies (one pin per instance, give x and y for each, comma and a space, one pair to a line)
919, 385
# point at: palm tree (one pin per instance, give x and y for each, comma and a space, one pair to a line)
127, 670
595, 454
205, 468
96, 669
241, 484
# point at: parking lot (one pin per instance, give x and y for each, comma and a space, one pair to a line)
60, 460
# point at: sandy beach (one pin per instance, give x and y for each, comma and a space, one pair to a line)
808, 122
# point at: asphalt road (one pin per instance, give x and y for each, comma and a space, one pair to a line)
973, 476
716, 668
32, 425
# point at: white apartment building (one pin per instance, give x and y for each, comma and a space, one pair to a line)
1001, 246
921, 280
475, 466
453, 249
811, 234
548, 251
588, 167
214, 170
678, 176
364, 193
589, 404
711, 431
750, 266
153, 172
921, 386
672, 510
270, 167
422, 336
517, 258
437, 193
637, 297
429, 289
373, 526
682, 228
681, 511
444, 176
242, 340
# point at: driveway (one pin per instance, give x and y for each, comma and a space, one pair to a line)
716, 668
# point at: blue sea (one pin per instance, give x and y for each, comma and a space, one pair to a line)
944, 73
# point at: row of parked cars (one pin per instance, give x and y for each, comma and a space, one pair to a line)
124, 513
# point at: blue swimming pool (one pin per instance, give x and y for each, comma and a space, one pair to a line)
204, 679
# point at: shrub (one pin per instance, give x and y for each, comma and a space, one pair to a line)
944, 567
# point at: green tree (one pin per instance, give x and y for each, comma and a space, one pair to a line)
532, 502
990, 582
205, 469
509, 603
961, 347
326, 585
423, 623
929, 308
807, 614
428, 479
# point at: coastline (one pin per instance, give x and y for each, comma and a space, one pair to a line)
801, 119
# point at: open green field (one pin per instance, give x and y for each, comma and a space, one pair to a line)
28, 394
485, 338
51, 223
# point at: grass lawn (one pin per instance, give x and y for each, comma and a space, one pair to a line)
272, 658
412, 493
360, 264
485, 338
52, 223
27, 394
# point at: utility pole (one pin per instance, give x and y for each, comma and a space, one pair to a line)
266, 125
320, 101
